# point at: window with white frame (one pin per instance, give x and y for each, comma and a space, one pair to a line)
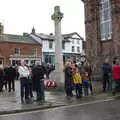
78, 49
34, 51
63, 45
73, 41
105, 20
73, 49
50, 45
78, 42
17, 51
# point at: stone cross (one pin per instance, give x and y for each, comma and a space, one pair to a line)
59, 75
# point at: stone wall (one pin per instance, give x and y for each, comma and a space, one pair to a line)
97, 50
116, 25
92, 32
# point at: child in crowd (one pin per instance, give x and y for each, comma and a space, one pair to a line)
86, 83
77, 80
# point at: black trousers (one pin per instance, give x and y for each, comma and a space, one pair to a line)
30, 90
1, 84
69, 92
11, 85
105, 82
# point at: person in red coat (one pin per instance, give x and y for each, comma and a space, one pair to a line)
116, 76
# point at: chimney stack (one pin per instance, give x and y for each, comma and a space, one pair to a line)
33, 31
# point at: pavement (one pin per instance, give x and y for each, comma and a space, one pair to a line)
10, 102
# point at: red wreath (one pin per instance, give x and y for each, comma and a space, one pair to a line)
50, 84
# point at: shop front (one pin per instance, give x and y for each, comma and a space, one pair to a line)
30, 59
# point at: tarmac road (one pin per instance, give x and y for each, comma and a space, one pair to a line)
100, 110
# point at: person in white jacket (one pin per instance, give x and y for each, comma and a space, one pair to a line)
24, 84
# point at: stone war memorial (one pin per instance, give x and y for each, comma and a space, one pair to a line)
59, 74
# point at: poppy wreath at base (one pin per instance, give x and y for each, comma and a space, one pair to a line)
50, 84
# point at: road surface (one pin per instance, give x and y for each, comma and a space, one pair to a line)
100, 110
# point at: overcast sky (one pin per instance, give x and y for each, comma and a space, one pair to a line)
20, 16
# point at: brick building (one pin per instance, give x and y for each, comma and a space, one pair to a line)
14, 48
102, 25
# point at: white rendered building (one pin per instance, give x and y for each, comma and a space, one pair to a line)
72, 45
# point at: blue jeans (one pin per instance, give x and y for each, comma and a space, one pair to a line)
78, 90
86, 87
24, 87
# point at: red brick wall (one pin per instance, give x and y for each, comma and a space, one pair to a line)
7, 49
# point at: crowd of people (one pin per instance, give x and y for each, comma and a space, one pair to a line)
8, 74
31, 79
78, 77
111, 76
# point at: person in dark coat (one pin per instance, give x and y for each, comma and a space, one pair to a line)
17, 73
68, 79
38, 83
1, 77
30, 80
106, 70
48, 70
11, 75
5, 76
